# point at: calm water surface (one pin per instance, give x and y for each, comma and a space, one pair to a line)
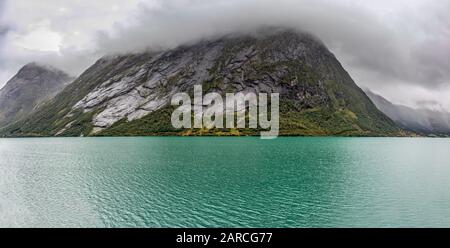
224, 182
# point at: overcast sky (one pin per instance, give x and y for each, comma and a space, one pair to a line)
399, 49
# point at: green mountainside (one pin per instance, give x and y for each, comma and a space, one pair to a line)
130, 94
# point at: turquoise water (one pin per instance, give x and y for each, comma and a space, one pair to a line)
224, 182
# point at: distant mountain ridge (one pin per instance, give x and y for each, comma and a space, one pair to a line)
30, 87
130, 94
421, 121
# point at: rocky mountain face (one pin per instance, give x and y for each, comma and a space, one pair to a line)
130, 94
30, 87
421, 121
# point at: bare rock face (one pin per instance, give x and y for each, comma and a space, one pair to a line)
315, 91
227, 64
150, 86
30, 87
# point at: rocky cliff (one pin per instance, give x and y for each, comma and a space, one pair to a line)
30, 87
130, 94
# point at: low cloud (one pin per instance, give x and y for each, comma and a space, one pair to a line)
400, 49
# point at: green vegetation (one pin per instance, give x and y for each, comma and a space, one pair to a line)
312, 122
317, 96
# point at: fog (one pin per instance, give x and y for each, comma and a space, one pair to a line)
399, 49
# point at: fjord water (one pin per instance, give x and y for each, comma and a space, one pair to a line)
224, 182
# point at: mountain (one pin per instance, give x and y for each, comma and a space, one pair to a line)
130, 94
30, 87
421, 121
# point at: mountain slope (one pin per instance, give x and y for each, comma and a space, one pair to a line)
31, 86
130, 94
422, 121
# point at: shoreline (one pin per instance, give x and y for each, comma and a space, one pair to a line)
223, 136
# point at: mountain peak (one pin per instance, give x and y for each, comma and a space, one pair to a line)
34, 64
422, 121
130, 94
34, 69
33, 84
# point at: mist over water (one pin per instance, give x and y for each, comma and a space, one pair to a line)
224, 182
